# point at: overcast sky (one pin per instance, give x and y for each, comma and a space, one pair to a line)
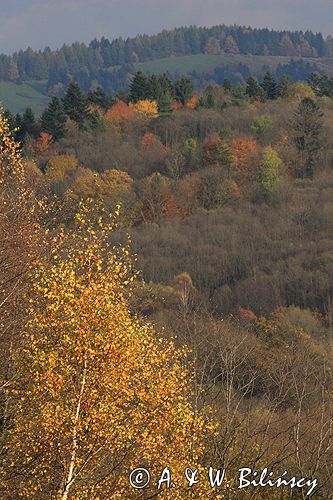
40, 23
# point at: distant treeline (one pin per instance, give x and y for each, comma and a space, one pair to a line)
108, 63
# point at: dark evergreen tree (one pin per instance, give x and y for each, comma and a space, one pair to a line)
165, 84
253, 89
75, 105
139, 88
165, 102
227, 86
285, 86
10, 119
307, 131
121, 95
100, 98
183, 90
54, 119
29, 124
19, 134
155, 87
270, 86
322, 85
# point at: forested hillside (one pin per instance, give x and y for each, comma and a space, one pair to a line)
109, 63
172, 302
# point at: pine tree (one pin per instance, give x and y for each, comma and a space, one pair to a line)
139, 88
54, 119
269, 86
75, 105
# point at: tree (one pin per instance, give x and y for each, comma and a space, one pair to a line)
269, 86
244, 153
217, 153
165, 102
306, 135
261, 125
140, 87
118, 113
183, 90
98, 394
145, 109
100, 98
285, 86
75, 105
230, 45
227, 85
253, 88
286, 46
60, 172
54, 119
269, 170
21, 239
157, 200
43, 142
29, 124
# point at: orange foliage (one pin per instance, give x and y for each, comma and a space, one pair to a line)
246, 315
192, 103
118, 112
43, 142
97, 393
148, 139
244, 154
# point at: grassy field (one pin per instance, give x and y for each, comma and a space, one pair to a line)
204, 62
32, 93
17, 97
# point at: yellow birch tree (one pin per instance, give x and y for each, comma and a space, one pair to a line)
99, 394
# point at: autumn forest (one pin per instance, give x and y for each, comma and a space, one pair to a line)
166, 277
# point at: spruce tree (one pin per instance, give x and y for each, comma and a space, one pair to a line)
165, 102
227, 86
269, 86
100, 98
75, 105
139, 88
54, 119
165, 83
253, 88
285, 86
155, 87
183, 90
29, 124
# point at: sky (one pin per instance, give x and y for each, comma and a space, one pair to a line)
41, 23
